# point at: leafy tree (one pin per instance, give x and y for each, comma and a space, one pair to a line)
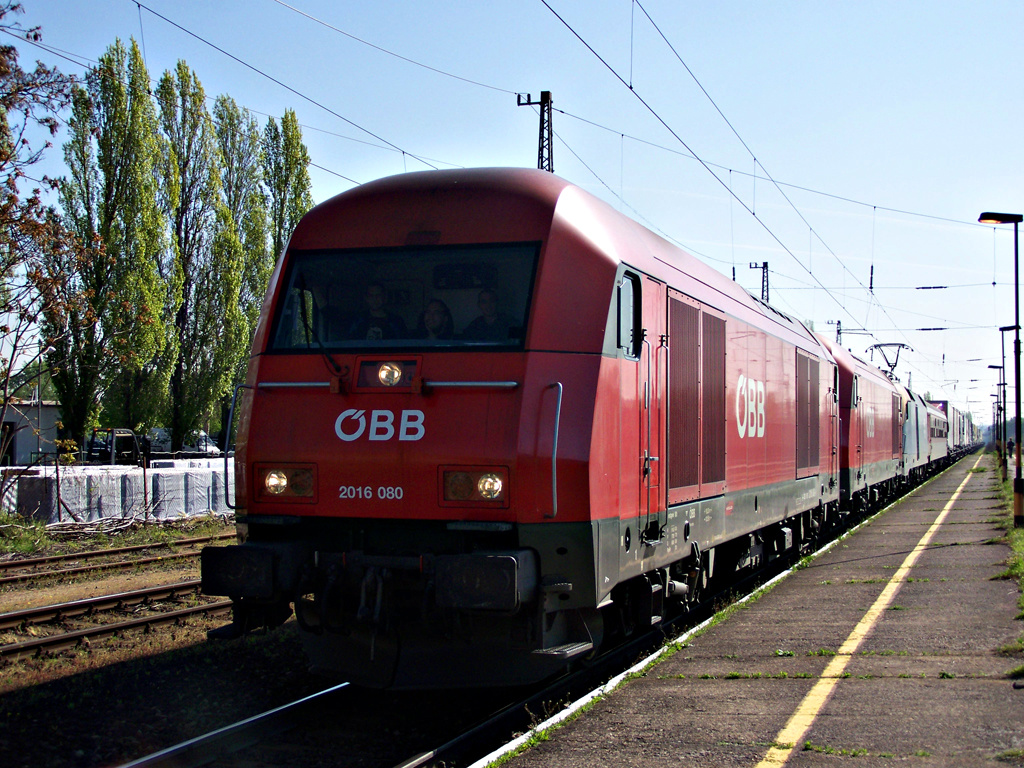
286, 174
28, 100
207, 252
238, 136
114, 342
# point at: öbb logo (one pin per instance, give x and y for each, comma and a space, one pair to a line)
352, 424
750, 407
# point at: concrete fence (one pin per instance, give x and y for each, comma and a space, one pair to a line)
166, 491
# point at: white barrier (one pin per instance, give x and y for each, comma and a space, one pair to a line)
187, 488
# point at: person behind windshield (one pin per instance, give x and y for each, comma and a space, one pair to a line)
435, 322
376, 323
491, 325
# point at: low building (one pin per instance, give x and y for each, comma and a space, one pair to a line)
29, 431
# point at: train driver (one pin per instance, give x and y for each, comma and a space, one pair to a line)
376, 323
435, 322
490, 325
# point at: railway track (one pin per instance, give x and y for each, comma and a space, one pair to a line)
227, 746
91, 607
468, 735
204, 749
25, 570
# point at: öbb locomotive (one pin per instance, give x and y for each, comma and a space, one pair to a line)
490, 423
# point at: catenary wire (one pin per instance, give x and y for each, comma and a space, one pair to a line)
287, 87
87, 63
391, 53
750, 210
679, 138
873, 298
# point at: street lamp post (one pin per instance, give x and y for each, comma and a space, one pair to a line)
1018, 483
995, 417
1002, 345
1001, 428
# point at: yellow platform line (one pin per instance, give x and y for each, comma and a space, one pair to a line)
802, 719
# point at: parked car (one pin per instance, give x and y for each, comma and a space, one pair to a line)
113, 446
202, 443
159, 439
198, 443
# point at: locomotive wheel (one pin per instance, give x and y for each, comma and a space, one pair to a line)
626, 611
629, 610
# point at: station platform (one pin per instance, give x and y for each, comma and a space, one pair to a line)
886, 648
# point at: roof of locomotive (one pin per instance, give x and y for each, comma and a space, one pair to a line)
850, 363
558, 203
541, 188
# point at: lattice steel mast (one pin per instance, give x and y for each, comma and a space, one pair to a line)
545, 147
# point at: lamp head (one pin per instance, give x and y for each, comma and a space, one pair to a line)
1000, 218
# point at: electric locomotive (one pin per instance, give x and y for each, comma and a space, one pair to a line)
917, 448
871, 415
489, 422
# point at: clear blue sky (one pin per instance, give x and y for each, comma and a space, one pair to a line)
889, 126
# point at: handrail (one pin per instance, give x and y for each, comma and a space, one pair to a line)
227, 443
478, 384
439, 384
554, 451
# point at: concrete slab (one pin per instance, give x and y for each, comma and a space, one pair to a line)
925, 686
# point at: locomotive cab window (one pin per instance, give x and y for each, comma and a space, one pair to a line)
407, 298
630, 336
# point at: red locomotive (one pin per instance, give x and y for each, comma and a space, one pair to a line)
489, 421
871, 442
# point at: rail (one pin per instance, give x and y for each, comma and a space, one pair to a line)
93, 605
233, 738
29, 562
72, 639
21, 578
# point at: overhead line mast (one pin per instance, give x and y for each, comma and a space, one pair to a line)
545, 161
763, 266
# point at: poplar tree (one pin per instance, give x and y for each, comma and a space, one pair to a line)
286, 172
241, 155
115, 346
207, 256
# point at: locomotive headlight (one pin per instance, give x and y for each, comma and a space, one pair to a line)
276, 482
489, 486
286, 482
389, 374
472, 486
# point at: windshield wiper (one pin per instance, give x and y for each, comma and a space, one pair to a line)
336, 369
